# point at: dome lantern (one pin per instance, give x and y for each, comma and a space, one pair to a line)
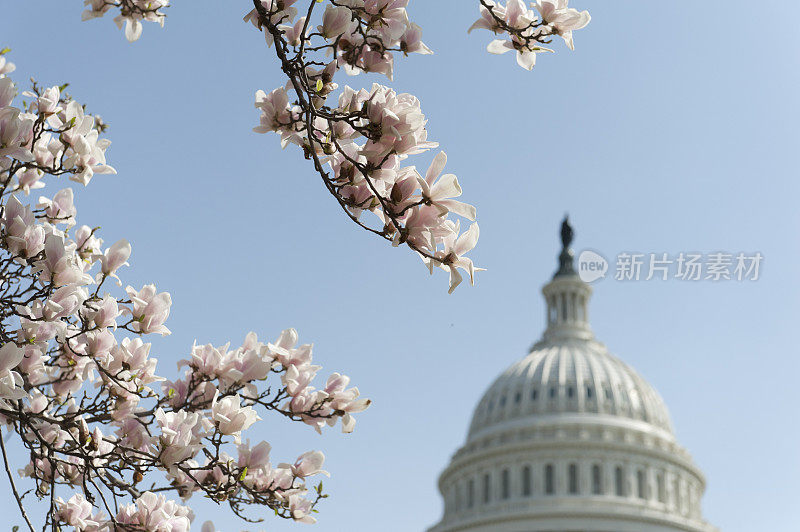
567, 297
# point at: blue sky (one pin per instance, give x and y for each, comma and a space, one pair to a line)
667, 130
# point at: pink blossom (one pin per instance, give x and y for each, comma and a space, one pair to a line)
61, 209
439, 192
336, 21
181, 435
77, 512
115, 257
452, 257
155, 513
562, 18
16, 131
10, 381
24, 236
309, 464
231, 418
150, 309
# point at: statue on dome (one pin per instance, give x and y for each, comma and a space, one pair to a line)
567, 234
565, 259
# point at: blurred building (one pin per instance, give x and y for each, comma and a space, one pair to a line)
570, 438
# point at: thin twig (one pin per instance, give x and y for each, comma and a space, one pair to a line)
13, 486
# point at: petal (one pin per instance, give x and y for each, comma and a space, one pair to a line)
499, 46
446, 187
526, 60
436, 167
462, 209
455, 279
133, 30
467, 240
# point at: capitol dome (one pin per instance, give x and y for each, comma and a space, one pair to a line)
570, 438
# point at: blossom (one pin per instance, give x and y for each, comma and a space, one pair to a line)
526, 55
60, 263
181, 435
525, 31
562, 18
16, 131
275, 110
150, 309
336, 21
85, 150
452, 257
231, 418
439, 192
115, 257
10, 381
309, 464
487, 21
294, 34
132, 13
301, 508
411, 41
29, 179
103, 314
77, 512
24, 236
48, 102
61, 209
155, 513
254, 458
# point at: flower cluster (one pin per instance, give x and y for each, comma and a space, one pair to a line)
525, 30
131, 13
364, 137
78, 383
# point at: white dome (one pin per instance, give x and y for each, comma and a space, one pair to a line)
578, 376
570, 438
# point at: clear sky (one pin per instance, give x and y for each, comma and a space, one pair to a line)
667, 130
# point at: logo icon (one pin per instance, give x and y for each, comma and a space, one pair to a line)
591, 266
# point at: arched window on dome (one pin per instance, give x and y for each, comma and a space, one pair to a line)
619, 482
571, 392
589, 392
505, 484
549, 480
641, 487
502, 401
573, 479
597, 480
517, 398
661, 486
553, 392
526, 481
471, 493
487, 488
534, 394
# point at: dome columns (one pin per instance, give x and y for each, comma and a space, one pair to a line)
567, 300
